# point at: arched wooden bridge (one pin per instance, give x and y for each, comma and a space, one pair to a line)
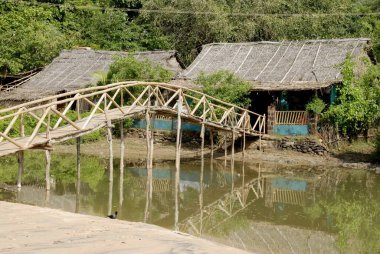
53, 120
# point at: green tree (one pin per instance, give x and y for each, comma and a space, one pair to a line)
358, 104
28, 38
227, 87
128, 68
192, 23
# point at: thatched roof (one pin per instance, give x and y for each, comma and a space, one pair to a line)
78, 68
287, 65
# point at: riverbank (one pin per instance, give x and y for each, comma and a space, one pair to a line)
31, 229
135, 152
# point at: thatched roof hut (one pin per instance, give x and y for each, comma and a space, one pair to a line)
278, 66
78, 68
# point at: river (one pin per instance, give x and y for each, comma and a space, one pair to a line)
257, 207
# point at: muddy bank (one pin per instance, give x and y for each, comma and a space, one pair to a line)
135, 151
30, 229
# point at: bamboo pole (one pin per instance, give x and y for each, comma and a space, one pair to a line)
201, 187
77, 201
47, 168
122, 151
110, 149
110, 188
20, 159
177, 159
151, 140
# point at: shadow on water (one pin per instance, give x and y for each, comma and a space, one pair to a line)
250, 206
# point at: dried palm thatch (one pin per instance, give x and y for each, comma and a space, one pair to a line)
78, 68
287, 65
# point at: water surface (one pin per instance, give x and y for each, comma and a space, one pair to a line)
261, 208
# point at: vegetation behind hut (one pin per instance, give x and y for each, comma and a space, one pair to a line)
129, 68
226, 86
33, 32
358, 104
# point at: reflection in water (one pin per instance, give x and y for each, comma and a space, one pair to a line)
254, 207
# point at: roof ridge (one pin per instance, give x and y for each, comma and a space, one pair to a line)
289, 41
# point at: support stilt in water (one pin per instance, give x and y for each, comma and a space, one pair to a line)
178, 160
77, 201
47, 168
149, 163
110, 179
122, 151
20, 159
20, 154
110, 149
201, 179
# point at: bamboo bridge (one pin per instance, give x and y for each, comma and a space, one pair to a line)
41, 123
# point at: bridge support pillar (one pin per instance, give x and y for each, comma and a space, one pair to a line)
47, 168
20, 159
122, 151
110, 149
178, 160
110, 166
149, 161
77, 200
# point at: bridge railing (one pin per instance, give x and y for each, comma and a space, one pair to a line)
78, 108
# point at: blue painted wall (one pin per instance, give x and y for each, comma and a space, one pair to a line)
168, 125
291, 130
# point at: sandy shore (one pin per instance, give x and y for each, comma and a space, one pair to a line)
30, 229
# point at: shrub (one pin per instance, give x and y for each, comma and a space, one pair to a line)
316, 105
227, 87
128, 68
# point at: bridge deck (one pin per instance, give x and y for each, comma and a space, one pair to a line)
108, 103
98, 121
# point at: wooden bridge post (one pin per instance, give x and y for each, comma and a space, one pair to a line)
178, 158
149, 159
77, 201
122, 151
20, 159
201, 187
110, 149
47, 168
20, 154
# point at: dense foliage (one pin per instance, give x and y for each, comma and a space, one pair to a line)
192, 23
316, 105
358, 104
32, 35
33, 32
128, 68
227, 87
